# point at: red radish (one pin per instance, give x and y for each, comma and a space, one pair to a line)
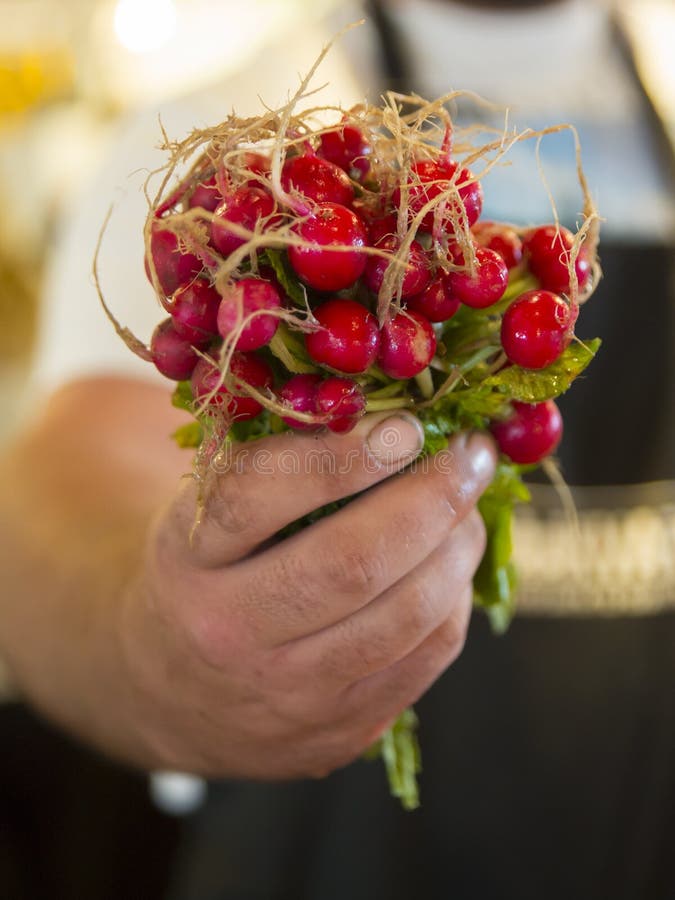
455, 252
408, 345
317, 179
245, 367
206, 195
416, 275
343, 400
347, 148
173, 356
531, 433
175, 267
547, 250
437, 303
299, 392
500, 238
242, 299
486, 286
536, 328
244, 207
194, 310
316, 263
348, 339
429, 179
382, 227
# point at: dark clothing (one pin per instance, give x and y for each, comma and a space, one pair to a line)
549, 772
620, 416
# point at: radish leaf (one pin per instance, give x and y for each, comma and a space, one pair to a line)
537, 385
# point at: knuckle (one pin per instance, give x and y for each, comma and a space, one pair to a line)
448, 496
329, 477
412, 519
355, 653
421, 608
332, 470
434, 505
454, 493
450, 638
290, 586
227, 504
214, 635
347, 655
352, 567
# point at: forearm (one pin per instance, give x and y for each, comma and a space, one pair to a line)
77, 492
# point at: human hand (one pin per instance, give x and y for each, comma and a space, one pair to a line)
262, 659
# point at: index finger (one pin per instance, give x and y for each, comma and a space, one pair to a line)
260, 487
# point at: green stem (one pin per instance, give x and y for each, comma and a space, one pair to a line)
387, 403
478, 357
400, 753
458, 372
377, 373
282, 346
425, 383
389, 390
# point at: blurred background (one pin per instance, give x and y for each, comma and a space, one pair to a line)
75, 73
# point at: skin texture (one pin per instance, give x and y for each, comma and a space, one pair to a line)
232, 654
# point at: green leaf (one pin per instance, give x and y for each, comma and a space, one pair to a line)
189, 435
435, 438
182, 396
537, 385
400, 751
457, 411
439, 422
507, 485
501, 613
465, 331
251, 429
287, 277
495, 579
480, 401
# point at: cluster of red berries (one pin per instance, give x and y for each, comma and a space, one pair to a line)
346, 249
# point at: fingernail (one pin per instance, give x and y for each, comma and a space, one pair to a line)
397, 439
482, 455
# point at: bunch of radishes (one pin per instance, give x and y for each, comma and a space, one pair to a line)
313, 273
381, 256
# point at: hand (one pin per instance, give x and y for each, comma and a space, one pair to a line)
263, 659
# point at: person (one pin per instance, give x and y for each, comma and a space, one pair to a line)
225, 656
153, 650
